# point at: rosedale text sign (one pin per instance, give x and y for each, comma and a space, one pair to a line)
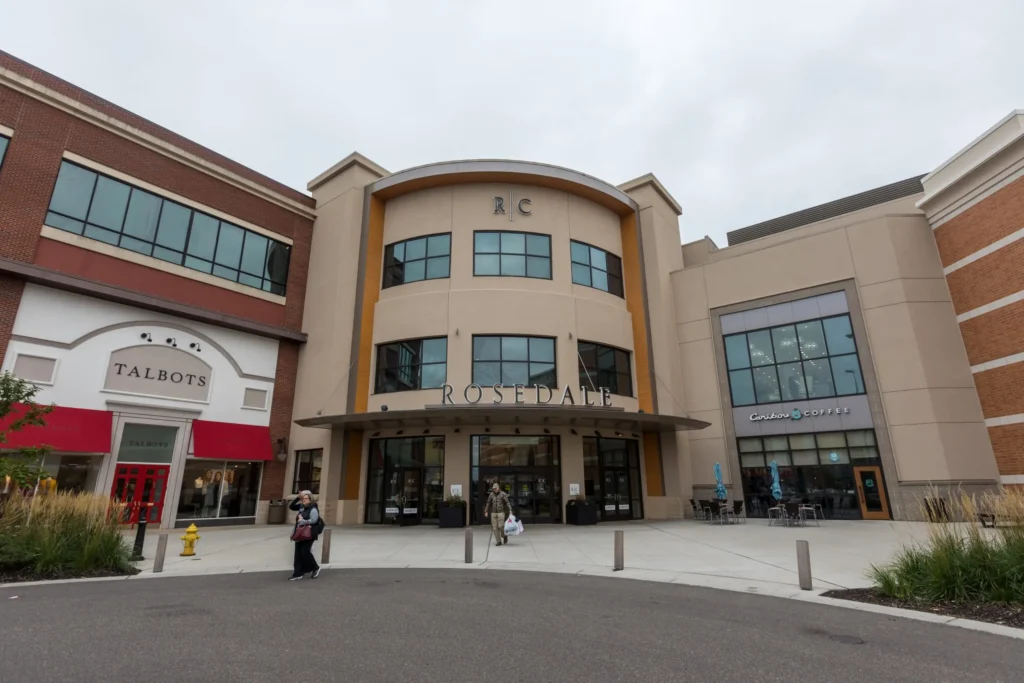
796, 414
520, 393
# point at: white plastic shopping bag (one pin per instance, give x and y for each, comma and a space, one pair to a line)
511, 526
519, 524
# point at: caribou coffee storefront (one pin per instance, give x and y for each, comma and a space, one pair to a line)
162, 412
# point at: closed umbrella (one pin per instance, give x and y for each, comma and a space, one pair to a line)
720, 488
776, 488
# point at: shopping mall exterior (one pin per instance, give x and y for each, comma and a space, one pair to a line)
213, 340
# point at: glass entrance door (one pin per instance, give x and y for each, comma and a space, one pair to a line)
142, 488
616, 500
530, 493
871, 492
403, 496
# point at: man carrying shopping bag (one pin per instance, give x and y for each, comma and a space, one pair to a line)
497, 500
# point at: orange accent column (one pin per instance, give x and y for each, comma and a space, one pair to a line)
353, 465
371, 294
632, 275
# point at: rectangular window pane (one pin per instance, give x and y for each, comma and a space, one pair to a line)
864, 437
415, 271
750, 445
513, 243
136, 245
198, 264
513, 265
487, 348
254, 254
250, 280
143, 212
818, 375
614, 266
846, 371
203, 237
433, 375
776, 443
514, 348
543, 374
581, 274
486, 243
785, 345
615, 286
437, 268
834, 456
539, 267
439, 245
486, 264
866, 453
416, 249
580, 253
791, 382
515, 373
226, 273
599, 279
278, 257
101, 234
67, 224
839, 335
597, 259
760, 348
806, 458
752, 460
766, 385
486, 374
812, 339
109, 202
542, 350
435, 350
167, 255
831, 440
737, 354
802, 442
173, 228
742, 385
73, 191
538, 245
229, 245
780, 458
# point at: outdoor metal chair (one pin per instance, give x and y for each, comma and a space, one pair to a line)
794, 514
714, 510
806, 507
705, 509
776, 512
737, 511
698, 512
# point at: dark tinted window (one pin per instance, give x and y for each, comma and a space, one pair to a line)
512, 254
411, 364
605, 366
593, 267
512, 360
101, 208
422, 258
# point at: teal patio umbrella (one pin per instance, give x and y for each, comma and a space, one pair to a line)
720, 488
776, 488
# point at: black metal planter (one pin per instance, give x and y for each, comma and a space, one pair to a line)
452, 517
581, 515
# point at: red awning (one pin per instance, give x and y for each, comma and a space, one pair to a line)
67, 430
230, 441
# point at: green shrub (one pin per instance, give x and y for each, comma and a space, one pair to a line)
62, 534
961, 561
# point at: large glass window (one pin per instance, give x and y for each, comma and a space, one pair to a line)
813, 468
3, 149
412, 364
526, 467
808, 360
101, 208
597, 268
422, 258
514, 360
405, 474
605, 366
306, 476
218, 489
514, 254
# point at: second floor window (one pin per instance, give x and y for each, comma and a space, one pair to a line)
306, 476
412, 364
514, 360
512, 254
597, 268
101, 208
605, 366
423, 258
3, 149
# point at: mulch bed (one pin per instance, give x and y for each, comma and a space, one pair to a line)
26, 575
992, 612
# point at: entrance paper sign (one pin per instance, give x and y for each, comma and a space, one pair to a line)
158, 370
610, 508
623, 507
456, 490
409, 511
574, 489
390, 511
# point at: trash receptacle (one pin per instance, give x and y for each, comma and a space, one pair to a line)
276, 514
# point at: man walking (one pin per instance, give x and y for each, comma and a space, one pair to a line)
496, 500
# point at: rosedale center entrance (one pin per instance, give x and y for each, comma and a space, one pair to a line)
404, 482
527, 468
611, 474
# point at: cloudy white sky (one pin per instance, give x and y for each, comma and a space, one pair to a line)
744, 110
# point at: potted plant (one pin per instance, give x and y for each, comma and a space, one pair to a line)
580, 511
453, 513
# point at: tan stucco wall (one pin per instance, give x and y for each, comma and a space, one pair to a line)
930, 404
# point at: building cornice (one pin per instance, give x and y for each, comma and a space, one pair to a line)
353, 159
652, 180
68, 105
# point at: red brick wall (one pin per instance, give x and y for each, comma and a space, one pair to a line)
281, 417
10, 299
997, 334
1001, 390
988, 279
988, 221
1008, 444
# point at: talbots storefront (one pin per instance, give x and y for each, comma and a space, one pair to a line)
168, 414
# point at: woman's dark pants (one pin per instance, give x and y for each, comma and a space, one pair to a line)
304, 562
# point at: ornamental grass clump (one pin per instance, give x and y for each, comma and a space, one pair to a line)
62, 535
962, 561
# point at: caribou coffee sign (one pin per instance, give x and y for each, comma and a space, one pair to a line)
162, 371
521, 394
797, 414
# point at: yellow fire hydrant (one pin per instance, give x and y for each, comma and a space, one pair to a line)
190, 538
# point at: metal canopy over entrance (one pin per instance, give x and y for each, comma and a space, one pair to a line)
583, 417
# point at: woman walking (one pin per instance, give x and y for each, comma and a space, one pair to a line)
307, 528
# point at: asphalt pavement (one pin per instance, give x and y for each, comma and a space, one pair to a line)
436, 625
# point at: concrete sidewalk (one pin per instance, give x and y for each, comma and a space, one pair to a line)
752, 557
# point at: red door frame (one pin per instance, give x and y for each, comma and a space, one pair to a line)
137, 483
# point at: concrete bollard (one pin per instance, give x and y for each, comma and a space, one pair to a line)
620, 551
803, 564
469, 545
325, 549
161, 552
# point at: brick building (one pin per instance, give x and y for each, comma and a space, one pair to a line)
213, 339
